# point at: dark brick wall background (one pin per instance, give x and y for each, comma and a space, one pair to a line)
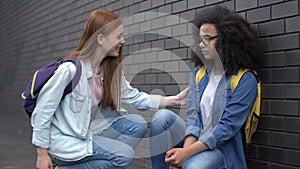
35, 32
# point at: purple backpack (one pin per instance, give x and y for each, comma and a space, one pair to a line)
41, 77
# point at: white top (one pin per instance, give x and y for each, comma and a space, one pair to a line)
206, 103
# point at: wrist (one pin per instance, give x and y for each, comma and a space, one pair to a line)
42, 151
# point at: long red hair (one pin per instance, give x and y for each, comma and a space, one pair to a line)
103, 22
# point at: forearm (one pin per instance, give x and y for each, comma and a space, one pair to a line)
195, 148
167, 101
189, 140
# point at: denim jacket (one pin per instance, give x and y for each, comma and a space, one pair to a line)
66, 127
230, 111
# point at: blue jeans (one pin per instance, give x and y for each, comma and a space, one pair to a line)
114, 148
168, 131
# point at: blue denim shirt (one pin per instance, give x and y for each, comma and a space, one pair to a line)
230, 111
66, 127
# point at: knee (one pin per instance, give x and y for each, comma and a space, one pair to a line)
140, 123
163, 117
124, 159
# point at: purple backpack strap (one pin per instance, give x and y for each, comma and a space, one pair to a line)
76, 78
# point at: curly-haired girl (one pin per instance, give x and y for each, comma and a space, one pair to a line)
215, 115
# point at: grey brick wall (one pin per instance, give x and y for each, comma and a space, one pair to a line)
33, 33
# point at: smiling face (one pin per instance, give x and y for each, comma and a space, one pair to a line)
114, 41
208, 40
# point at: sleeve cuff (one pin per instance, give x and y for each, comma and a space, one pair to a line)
208, 139
192, 130
40, 138
155, 101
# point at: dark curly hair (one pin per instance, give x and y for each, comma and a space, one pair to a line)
237, 44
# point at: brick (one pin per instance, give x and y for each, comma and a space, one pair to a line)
158, 44
179, 30
271, 154
257, 164
274, 59
171, 43
164, 79
285, 75
170, 1
195, 3
150, 57
261, 137
209, 2
171, 66
273, 91
289, 41
291, 8
151, 36
292, 124
145, 26
280, 166
138, 79
179, 6
117, 5
145, 5
284, 107
134, 9
188, 16
292, 157
164, 55
165, 33
151, 79
156, 3
179, 78
139, 58
180, 53
265, 107
133, 48
292, 24
275, 123
138, 38
158, 23
166, 9
285, 140
128, 3
145, 45
266, 44
243, 5
259, 15
171, 90
140, 17
268, 2
271, 28
292, 91
264, 75
293, 58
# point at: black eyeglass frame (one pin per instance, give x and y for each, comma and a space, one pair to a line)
206, 40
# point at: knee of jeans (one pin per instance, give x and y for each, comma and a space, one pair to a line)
162, 117
192, 165
124, 159
140, 123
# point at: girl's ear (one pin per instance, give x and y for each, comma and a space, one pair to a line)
100, 39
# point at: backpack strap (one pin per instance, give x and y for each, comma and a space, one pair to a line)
200, 73
76, 77
252, 120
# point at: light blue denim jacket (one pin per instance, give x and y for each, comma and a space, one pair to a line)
230, 111
65, 126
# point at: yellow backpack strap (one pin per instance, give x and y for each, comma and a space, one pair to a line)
200, 74
252, 120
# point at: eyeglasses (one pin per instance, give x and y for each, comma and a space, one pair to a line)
206, 40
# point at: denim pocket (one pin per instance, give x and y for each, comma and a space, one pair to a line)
76, 102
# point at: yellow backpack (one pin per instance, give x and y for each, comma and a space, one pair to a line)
252, 120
